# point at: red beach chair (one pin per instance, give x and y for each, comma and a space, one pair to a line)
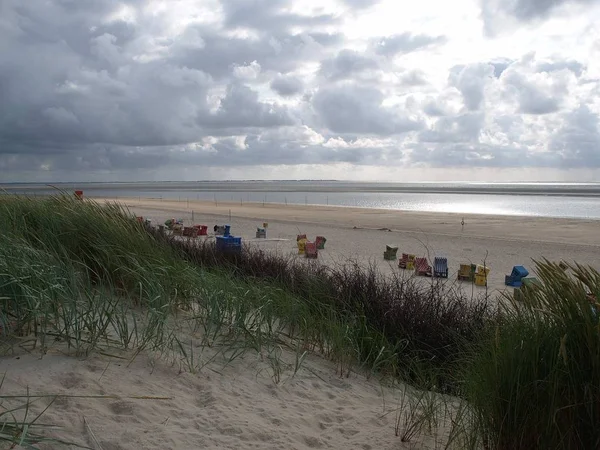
422, 267
202, 230
310, 250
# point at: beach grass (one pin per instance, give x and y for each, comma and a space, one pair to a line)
90, 277
422, 327
533, 380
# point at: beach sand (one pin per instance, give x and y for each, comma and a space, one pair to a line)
118, 403
361, 234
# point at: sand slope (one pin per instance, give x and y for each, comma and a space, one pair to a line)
236, 406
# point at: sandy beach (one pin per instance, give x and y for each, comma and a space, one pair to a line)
119, 403
361, 234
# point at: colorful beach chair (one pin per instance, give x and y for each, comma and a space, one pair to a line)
515, 279
229, 244
422, 267
302, 246
320, 241
310, 250
466, 272
481, 275
390, 253
261, 233
407, 261
440, 267
526, 283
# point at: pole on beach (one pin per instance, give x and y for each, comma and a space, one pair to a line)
229, 216
286, 201
192, 217
216, 204
328, 200
188, 202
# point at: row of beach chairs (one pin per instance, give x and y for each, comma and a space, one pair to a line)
308, 248
475, 273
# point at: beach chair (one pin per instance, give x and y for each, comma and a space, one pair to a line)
219, 230
310, 250
190, 232
407, 261
301, 246
320, 241
422, 267
516, 276
440, 267
261, 233
300, 237
481, 275
202, 230
466, 272
390, 253
526, 283
229, 244
177, 229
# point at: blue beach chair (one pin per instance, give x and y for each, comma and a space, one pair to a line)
515, 279
440, 267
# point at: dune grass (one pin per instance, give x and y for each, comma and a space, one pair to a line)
422, 327
533, 381
90, 277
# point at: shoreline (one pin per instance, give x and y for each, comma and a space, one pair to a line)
482, 226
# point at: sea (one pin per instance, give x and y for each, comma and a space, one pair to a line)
560, 200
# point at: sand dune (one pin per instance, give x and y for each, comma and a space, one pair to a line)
222, 406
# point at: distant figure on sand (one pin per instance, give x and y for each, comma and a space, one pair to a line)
462, 224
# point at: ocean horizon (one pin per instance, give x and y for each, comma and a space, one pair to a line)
578, 200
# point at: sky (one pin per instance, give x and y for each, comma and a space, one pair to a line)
388, 90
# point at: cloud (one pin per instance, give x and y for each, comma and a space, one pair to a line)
471, 81
346, 64
356, 110
536, 94
577, 142
405, 43
500, 16
145, 87
287, 86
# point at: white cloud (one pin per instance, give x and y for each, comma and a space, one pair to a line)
501, 88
